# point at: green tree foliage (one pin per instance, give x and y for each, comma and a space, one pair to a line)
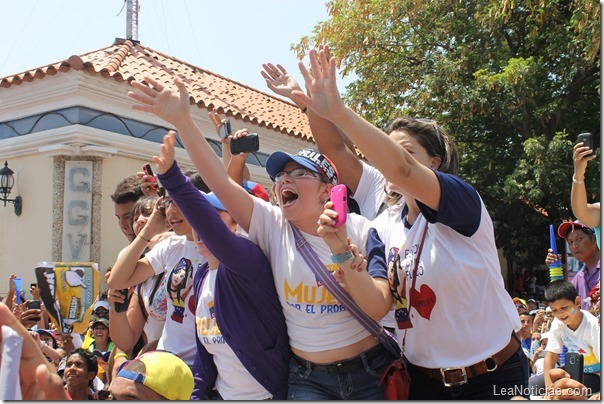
515, 81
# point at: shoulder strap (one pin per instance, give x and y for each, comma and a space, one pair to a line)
342, 296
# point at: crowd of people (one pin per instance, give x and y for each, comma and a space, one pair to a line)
213, 296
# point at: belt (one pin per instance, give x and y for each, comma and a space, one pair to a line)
453, 376
347, 365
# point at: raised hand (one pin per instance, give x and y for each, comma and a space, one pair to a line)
166, 157
171, 105
279, 80
320, 80
581, 155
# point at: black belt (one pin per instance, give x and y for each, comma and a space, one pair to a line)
344, 366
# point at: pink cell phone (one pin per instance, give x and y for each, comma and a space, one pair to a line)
148, 171
339, 195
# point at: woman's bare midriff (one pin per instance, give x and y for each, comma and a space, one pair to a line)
338, 354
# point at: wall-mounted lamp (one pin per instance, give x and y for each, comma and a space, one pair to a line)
6, 185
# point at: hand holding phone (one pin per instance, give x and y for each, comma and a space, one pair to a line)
573, 364
122, 307
587, 140
225, 129
245, 144
148, 171
339, 196
34, 305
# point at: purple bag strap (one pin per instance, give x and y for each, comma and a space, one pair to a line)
309, 255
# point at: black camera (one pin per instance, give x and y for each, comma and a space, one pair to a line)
246, 144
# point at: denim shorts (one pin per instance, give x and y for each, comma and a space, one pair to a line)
353, 379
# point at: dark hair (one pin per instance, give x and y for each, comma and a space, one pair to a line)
89, 358
128, 190
143, 205
560, 290
197, 181
588, 231
433, 138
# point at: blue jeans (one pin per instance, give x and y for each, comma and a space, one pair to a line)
353, 379
510, 378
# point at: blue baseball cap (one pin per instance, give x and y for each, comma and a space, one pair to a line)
213, 199
308, 158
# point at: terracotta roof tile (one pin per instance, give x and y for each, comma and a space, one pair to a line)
125, 60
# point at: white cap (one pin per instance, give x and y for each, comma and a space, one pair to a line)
101, 303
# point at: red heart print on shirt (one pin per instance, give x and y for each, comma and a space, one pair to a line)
423, 300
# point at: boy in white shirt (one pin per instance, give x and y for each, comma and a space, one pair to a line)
574, 328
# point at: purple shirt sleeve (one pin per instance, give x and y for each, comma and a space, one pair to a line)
230, 249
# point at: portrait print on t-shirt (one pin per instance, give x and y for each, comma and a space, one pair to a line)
398, 290
180, 282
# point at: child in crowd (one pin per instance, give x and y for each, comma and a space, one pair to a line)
574, 328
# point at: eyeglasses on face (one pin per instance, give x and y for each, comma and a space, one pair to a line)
166, 202
297, 173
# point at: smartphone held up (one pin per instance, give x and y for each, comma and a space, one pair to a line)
245, 144
148, 171
587, 140
339, 196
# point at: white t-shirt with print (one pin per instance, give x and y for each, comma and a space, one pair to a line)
233, 381
178, 257
315, 320
370, 191
585, 340
156, 310
382, 224
461, 313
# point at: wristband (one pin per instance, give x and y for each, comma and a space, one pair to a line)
120, 355
577, 181
148, 241
343, 257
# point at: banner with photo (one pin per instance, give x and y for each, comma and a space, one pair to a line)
68, 291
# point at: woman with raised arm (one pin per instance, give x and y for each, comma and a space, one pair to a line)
334, 356
456, 321
243, 347
367, 184
587, 213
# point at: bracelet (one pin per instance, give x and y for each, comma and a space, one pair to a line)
343, 257
120, 355
304, 109
577, 181
148, 241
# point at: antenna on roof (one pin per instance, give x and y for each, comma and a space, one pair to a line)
132, 20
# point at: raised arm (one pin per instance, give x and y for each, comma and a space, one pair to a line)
395, 162
202, 216
588, 214
173, 107
330, 141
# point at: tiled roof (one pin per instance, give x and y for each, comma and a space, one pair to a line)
125, 60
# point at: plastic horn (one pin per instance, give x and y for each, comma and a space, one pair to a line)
17, 282
555, 268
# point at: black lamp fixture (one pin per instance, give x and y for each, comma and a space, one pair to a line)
7, 180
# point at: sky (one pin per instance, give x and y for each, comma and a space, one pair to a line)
228, 37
